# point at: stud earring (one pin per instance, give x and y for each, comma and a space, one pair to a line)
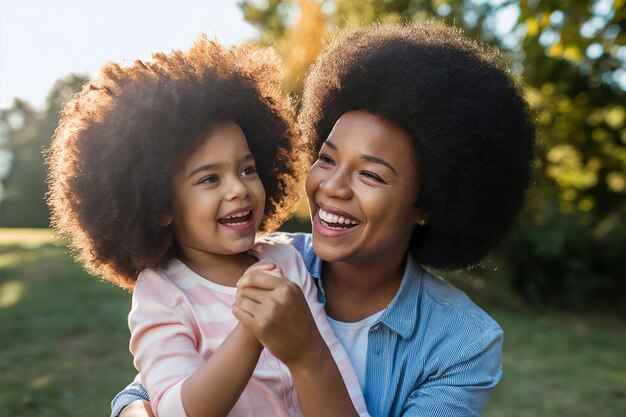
421, 222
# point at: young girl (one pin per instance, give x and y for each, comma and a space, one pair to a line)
161, 173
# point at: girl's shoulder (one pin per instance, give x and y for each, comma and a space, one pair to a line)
159, 284
278, 248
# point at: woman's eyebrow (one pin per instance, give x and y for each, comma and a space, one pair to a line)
377, 160
369, 158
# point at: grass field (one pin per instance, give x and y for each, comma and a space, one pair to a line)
63, 343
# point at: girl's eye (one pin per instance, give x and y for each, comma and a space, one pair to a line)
247, 171
324, 158
372, 176
211, 179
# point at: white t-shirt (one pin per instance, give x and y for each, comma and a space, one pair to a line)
353, 337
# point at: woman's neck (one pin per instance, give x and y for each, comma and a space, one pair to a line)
354, 292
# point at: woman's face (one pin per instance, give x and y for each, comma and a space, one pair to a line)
362, 191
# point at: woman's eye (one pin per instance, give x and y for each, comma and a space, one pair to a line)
372, 176
248, 171
211, 179
324, 158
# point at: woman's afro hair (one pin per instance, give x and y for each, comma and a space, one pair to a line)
472, 131
121, 140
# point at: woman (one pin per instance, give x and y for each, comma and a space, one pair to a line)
424, 153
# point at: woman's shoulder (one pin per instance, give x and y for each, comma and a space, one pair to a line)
442, 298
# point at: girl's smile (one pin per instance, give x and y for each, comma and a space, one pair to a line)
239, 220
219, 197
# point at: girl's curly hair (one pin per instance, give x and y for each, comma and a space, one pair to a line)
123, 137
471, 129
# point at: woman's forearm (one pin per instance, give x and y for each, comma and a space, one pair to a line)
139, 408
214, 389
321, 389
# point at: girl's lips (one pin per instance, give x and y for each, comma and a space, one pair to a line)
239, 220
239, 227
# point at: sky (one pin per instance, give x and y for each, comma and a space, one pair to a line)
44, 40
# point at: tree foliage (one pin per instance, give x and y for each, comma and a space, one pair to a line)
569, 247
24, 134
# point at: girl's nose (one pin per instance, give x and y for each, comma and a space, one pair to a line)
337, 184
236, 189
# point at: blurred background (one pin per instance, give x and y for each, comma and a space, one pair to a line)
557, 284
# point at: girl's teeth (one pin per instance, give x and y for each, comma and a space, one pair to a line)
243, 214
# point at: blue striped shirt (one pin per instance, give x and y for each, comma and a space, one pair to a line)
432, 352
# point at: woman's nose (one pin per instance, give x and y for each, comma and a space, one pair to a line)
337, 184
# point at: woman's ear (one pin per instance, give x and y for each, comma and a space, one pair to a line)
422, 217
165, 220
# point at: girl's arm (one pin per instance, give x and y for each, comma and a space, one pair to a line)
280, 316
214, 389
179, 380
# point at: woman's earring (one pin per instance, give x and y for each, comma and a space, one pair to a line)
421, 222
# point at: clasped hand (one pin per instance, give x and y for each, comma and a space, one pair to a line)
276, 312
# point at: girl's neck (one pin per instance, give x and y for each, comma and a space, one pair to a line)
354, 292
220, 269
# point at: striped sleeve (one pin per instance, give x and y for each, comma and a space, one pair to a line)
464, 386
162, 342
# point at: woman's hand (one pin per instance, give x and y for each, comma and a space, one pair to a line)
139, 408
275, 311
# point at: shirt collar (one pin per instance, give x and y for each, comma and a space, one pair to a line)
401, 313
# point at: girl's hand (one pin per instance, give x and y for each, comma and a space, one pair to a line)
275, 311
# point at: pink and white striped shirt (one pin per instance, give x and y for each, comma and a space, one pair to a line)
178, 319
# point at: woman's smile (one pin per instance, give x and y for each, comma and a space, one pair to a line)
362, 199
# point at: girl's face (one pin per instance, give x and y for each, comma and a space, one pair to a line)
362, 191
219, 198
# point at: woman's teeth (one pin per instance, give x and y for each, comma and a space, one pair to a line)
335, 219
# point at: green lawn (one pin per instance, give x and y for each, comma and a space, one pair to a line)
63, 343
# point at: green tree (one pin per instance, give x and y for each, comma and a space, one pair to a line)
25, 134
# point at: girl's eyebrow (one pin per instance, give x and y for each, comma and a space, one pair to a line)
369, 158
214, 167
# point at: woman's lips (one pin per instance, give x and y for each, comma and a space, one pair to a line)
329, 224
